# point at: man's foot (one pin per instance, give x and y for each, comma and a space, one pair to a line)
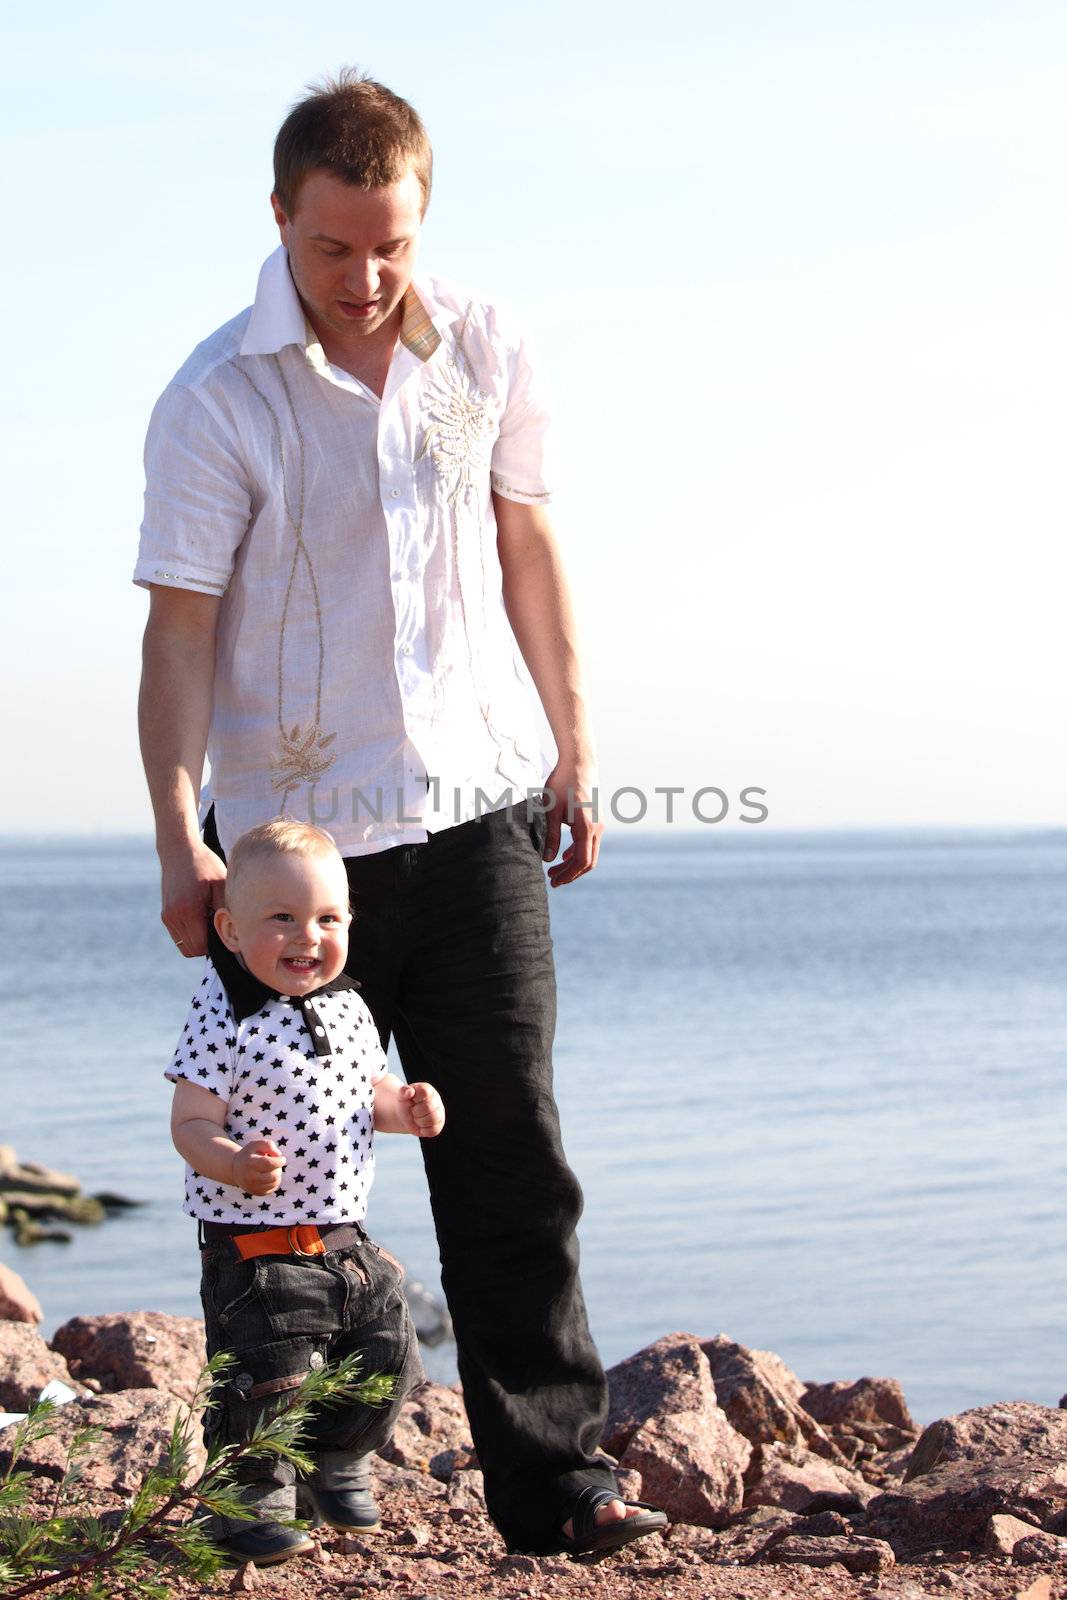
602, 1521
265, 1543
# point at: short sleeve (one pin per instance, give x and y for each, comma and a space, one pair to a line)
523, 462
207, 1050
198, 500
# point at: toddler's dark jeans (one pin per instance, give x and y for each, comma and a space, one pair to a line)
282, 1316
450, 942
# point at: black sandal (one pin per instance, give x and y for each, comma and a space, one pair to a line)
592, 1538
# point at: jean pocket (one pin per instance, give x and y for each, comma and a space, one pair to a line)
235, 1291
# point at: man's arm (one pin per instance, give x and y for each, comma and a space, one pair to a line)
538, 603
174, 714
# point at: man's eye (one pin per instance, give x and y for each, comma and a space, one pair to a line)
332, 252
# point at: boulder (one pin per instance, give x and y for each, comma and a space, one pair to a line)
871, 1411
432, 1433
135, 1350
669, 1376
30, 1177
761, 1397
135, 1434
857, 1554
988, 1433
790, 1478
1003, 1460
691, 1464
26, 1365
1004, 1533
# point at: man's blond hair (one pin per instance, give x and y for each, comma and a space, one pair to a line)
282, 836
355, 129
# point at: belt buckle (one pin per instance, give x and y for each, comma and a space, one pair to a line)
296, 1245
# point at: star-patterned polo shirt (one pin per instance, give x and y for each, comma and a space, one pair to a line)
296, 1069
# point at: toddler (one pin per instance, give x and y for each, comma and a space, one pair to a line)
279, 1082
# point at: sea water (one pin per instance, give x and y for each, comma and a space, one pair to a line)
813, 1085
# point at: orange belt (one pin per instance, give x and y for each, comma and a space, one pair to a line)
302, 1239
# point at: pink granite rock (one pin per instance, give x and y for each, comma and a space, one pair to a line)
1004, 1533
669, 1376
871, 1410
761, 1397
691, 1465
26, 1365
1003, 1460
135, 1350
854, 1552
135, 1433
988, 1433
789, 1477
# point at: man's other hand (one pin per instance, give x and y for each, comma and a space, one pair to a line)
570, 785
193, 881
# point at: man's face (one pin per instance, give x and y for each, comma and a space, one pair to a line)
351, 251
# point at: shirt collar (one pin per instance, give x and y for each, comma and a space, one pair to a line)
278, 318
247, 994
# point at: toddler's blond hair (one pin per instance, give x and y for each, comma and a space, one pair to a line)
282, 836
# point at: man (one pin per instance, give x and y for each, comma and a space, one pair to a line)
345, 535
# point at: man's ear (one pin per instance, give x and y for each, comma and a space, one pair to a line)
279, 216
226, 929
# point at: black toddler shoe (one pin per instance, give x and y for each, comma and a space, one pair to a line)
265, 1543
347, 1510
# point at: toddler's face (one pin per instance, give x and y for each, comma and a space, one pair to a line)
288, 921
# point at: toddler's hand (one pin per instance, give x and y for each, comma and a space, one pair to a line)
257, 1167
422, 1106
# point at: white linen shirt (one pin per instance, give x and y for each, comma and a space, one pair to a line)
367, 678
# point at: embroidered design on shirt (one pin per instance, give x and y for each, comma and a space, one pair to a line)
301, 746
462, 426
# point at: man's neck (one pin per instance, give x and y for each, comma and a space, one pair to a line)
366, 357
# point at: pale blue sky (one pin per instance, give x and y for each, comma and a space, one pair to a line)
797, 271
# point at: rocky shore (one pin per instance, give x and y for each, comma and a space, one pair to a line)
775, 1487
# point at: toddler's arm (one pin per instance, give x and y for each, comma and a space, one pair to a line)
407, 1107
197, 1119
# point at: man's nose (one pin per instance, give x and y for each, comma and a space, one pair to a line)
361, 279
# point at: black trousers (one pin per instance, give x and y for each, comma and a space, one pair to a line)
450, 942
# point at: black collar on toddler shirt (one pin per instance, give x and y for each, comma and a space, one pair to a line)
247, 994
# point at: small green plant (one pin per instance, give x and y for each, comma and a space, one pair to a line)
129, 1553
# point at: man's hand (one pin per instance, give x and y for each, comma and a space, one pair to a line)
193, 880
569, 784
257, 1167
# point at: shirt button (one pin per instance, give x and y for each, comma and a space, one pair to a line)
321, 1032
407, 650
395, 494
